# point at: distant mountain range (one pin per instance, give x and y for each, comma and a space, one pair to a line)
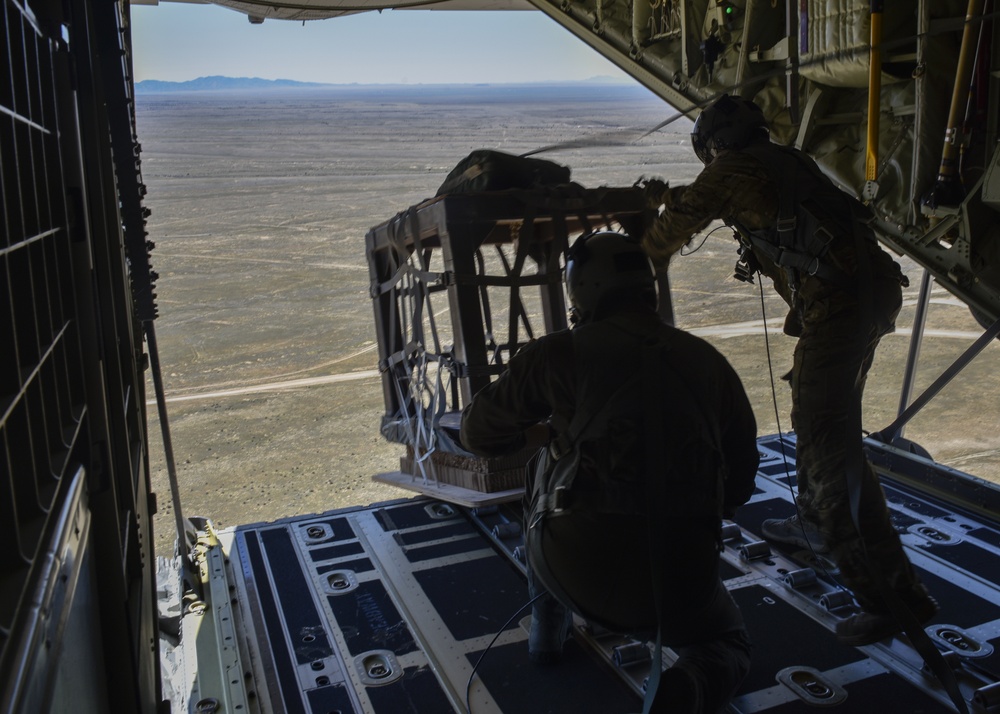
217, 83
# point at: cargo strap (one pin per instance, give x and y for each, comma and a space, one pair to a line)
428, 369
655, 495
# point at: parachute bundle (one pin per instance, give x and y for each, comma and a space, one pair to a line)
489, 170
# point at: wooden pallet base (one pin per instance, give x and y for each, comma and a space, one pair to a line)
446, 491
487, 474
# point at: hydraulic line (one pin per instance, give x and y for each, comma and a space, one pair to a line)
947, 189
874, 97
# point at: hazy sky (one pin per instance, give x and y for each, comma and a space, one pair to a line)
177, 42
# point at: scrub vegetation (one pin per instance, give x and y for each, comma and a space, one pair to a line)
260, 204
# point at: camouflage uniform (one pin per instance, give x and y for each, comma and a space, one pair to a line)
549, 380
839, 327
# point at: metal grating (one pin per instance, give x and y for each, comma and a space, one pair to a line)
41, 404
73, 464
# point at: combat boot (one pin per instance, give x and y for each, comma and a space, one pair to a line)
867, 628
794, 531
550, 627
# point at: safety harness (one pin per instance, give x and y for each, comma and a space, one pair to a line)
799, 242
603, 402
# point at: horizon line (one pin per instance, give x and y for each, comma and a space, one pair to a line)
599, 79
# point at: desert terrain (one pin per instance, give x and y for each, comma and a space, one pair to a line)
260, 204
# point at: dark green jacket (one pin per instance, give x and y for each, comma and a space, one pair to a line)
547, 381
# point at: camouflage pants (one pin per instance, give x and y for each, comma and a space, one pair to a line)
832, 359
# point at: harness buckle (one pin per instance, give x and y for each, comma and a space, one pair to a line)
785, 224
560, 499
825, 236
558, 447
550, 503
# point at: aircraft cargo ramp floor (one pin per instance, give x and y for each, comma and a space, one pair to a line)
388, 608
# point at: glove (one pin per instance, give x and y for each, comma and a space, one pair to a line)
660, 244
652, 190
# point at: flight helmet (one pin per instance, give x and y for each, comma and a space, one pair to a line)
728, 123
605, 265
